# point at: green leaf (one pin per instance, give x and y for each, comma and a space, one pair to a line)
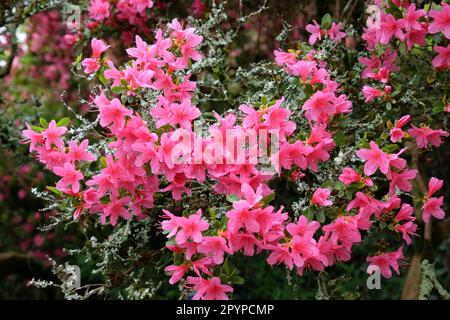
340, 139
43, 122
118, 90
232, 198
394, 10
64, 122
391, 148
102, 162
37, 129
326, 22
237, 280
54, 190
268, 199
438, 106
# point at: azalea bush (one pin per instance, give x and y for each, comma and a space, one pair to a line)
186, 167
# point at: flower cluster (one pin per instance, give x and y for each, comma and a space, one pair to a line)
160, 150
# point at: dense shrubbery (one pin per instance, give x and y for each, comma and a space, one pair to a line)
330, 182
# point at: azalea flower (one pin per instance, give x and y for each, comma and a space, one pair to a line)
211, 289
70, 178
374, 159
320, 197
386, 261
191, 228
442, 60
52, 135
441, 20
371, 93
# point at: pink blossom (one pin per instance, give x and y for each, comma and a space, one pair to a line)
211, 289
412, 16
78, 152
335, 33
391, 27
191, 228
52, 135
441, 20
214, 247
320, 197
401, 181
374, 159
112, 113
70, 177
99, 9
301, 68
434, 185
396, 132
183, 114
90, 65
442, 60
371, 93
115, 209
386, 261
33, 138
98, 47
349, 176
176, 272
316, 32
303, 227
425, 135
432, 207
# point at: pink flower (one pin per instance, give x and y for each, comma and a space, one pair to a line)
401, 181
386, 261
282, 58
242, 216
33, 138
425, 135
176, 272
280, 254
99, 9
316, 32
349, 176
371, 93
90, 65
396, 132
303, 227
335, 33
407, 230
412, 16
432, 207
320, 197
183, 114
214, 247
115, 209
98, 47
434, 185
52, 135
416, 37
191, 228
112, 113
320, 104
70, 177
391, 27
78, 152
441, 20
301, 68
442, 60
211, 289
374, 158
343, 229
